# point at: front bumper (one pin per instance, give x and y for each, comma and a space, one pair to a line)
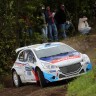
53, 75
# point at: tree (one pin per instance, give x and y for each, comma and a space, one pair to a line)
11, 12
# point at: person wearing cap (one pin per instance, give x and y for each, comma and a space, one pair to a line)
51, 24
60, 18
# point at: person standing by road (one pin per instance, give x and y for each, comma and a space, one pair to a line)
43, 25
60, 18
51, 25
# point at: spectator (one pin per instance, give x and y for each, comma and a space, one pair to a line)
54, 12
83, 26
60, 18
44, 28
51, 24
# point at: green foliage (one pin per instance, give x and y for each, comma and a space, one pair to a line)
13, 27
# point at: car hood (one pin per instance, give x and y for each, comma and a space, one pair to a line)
64, 59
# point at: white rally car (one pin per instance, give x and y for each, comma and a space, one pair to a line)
48, 62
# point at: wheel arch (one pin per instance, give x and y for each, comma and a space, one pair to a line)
36, 74
41, 80
19, 79
37, 68
18, 71
13, 70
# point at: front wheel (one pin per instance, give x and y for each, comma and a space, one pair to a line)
16, 79
41, 78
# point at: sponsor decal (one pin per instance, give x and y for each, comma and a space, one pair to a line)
65, 58
51, 71
28, 72
19, 64
27, 68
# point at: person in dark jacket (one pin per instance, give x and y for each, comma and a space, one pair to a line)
60, 18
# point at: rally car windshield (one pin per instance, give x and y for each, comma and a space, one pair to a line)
53, 51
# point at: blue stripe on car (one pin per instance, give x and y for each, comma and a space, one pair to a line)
58, 56
89, 67
49, 77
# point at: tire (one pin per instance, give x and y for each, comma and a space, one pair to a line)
16, 79
41, 78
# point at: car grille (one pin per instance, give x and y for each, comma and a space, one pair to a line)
70, 69
61, 76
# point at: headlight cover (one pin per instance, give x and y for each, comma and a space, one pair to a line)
86, 58
47, 65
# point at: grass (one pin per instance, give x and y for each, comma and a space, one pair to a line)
85, 85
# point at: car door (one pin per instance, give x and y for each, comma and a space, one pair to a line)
20, 64
30, 66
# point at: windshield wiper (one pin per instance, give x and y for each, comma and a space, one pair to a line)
63, 53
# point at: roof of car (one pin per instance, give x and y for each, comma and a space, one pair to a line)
39, 46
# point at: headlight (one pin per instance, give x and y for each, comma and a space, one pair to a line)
86, 58
48, 65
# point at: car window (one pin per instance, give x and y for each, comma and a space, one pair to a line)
27, 55
21, 56
30, 56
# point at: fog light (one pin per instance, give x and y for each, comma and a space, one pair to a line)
53, 77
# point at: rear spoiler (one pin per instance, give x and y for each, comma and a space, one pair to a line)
22, 48
18, 49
